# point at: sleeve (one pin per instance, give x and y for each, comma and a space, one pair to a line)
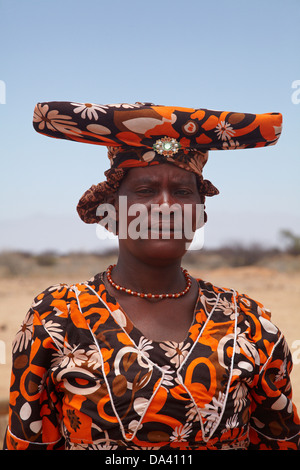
35, 403
274, 423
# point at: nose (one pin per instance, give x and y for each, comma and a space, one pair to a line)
165, 197
166, 205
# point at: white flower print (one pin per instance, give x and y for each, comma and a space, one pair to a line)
98, 444
181, 433
232, 144
281, 371
103, 447
54, 121
144, 345
176, 351
73, 356
23, 337
124, 105
55, 331
286, 348
224, 130
94, 446
168, 379
212, 410
227, 308
89, 110
240, 397
192, 412
93, 357
42, 384
232, 422
57, 358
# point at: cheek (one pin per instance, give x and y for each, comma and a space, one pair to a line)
193, 215
133, 221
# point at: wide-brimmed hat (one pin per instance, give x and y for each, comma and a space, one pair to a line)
143, 134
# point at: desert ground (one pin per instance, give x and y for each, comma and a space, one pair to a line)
274, 281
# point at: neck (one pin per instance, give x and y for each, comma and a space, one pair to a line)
135, 274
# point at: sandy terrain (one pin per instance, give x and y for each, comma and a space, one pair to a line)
279, 291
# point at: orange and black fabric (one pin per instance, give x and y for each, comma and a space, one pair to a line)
141, 125
143, 134
84, 377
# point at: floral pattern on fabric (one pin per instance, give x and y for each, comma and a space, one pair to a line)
84, 377
141, 125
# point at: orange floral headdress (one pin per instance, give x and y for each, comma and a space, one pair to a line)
143, 134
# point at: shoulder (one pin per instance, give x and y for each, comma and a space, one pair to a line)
256, 335
245, 304
55, 304
57, 300
258, 318
253, 315
208, 289
53, 300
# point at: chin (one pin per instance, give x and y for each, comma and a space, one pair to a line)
160, 249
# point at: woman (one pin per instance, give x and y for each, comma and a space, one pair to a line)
143, 356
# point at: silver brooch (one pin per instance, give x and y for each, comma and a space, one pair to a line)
166, 146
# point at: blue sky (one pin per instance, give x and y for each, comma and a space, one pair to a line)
228, 55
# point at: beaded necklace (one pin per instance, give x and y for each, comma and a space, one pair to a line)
149, 295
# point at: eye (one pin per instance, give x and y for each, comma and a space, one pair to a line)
184, 191
144, 190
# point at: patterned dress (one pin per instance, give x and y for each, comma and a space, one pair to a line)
84, 377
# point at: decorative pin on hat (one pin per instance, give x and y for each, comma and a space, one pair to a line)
166, 146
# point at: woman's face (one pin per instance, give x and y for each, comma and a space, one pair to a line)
157, 208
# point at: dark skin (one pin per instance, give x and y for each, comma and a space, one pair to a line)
154, 265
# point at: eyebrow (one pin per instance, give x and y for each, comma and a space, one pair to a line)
152, 179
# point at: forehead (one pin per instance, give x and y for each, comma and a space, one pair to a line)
160, 173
